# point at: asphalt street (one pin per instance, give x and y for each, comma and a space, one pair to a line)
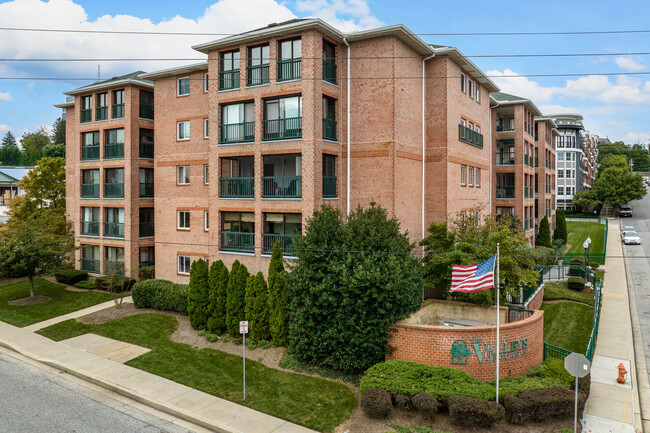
34, 400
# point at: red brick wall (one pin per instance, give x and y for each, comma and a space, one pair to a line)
431, 345
536, 302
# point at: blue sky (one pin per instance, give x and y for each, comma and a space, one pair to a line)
616, 106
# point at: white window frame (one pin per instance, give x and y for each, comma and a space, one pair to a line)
471, 177
206, 128
206, 220
470, 88
477, 182
463, 82
560, 190
478, 92
179, 169
178, 130
178, 219
560, 174
463, 174
206, 83
186, 259
206, 174
178, 86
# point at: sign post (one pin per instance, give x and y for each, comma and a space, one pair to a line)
578, 366
243, 330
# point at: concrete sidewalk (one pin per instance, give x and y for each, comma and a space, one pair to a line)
75, 357
613, 407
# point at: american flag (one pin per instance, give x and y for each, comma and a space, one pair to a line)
471, 278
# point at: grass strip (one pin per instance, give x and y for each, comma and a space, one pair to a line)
560, 291
568, 325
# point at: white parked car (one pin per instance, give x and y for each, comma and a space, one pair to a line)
631, 238
627, 229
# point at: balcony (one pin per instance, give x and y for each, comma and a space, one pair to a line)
526, 160
87, 115
505, 158
280, 129
146, 189
101, 113
114, 150
290, 69
89, 152
329, 187
505, 125
146, 111
146, 229
146, 150
90, 228
505, 191
114, 230
117, 111
536, 162
237, 187
229, 79
468, 136
526, 192
114, 190
237, 242
329, 129
286, 241
90, 190
237, 133
329, 71
90, 265
146, 263
258, 75
282, 187
115, 268
530, 192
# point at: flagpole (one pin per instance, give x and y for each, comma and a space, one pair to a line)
498, 317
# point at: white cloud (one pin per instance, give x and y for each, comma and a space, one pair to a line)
554, 108
345, 15
4, 128
30, 85
6, 97
629, 64
511, 82
636, 137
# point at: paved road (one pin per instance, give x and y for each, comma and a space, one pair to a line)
33, 400
638, 267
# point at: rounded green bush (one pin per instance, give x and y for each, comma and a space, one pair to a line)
376, 403
426, 405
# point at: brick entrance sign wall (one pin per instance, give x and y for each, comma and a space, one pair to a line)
473, 349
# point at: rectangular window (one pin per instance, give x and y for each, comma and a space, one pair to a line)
184, 263
478, 177
329, 62
560, 190
282, 176
258, 65
471, 176
183, 175
86, 109
229, 61
229, 70
463, 174
560, 156
183, 86
114, 261
560, 174
206, 129
329, 176
463, 80
206, 174
114, 222
329, 118
478, 93
146, 104
282, 118
470, 88
90, 221
114, 183
102, 107
147, 256
237, 123
183, 130
146, 143
238, 222
289, 65
183, 220
90, 145
114, 143
206, 82
206, 220
146, 182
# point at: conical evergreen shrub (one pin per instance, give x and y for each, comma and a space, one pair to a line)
218, 282
198, 296
544, 234
278, 299
236, 298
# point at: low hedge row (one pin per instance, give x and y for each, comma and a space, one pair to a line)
471, 412
70, 276
160, 295
542, 405
87, 284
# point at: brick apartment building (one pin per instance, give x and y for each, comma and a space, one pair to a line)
249, 143
523, 175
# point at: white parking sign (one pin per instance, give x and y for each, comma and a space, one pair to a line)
243, 327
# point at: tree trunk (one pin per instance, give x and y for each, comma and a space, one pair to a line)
31, 286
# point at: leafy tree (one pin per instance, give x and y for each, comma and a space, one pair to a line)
218, 282
351, 281
10, 155
197, 298
33, 144
9, 140
278, 297
58, 131
257, 307
637, 154
54, 150
618, 185
236, 298
560, 232
544, 234
587, 199
439, 247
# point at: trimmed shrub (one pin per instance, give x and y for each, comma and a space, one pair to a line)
147, 273
376, 403
594, 265
543, 234
468, 411
70, 276
576, 283
217, 282
402, 401
161, 295
426, 405
541, 405
236, 298
114, 283
257, 307
560, 226
278, 298
545, 256
198, 296
86, 284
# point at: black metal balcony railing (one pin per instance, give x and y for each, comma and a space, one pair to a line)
114, 150
237, 242
278, 129
290, 69
90, 228
114, 230
286, 243
505, 191
146, 111
101, 113
505, 158
118, 111
329, 129
229, 79
146, 189
469, 136
145, 263
329, 71
282, 187
86, 115
505, 126
89, 152
329, 187
146, 150
237, 133
146, 229
90, 190
257, 75
90, 265
242, 187
114, 190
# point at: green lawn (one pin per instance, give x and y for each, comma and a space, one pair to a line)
309, 401
559, 290
62, 302
578, 232
568, 325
